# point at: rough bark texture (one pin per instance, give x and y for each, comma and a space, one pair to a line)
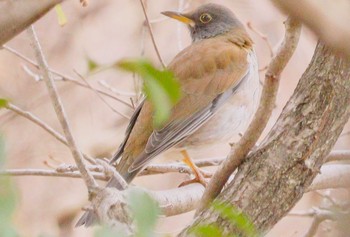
275, 176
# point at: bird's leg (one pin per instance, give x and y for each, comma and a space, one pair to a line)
200, 175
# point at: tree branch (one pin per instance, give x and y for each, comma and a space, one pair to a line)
56, 101
51, 173
64, 77
15, 16
151, 33
64, 170
239, 152
100, 97
44, 126
339, 155
332, 29
319, 215
332, 176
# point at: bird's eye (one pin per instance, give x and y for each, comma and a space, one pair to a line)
205, 18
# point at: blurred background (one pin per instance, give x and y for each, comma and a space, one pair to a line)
103, 33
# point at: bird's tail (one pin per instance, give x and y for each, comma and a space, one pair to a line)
89, 218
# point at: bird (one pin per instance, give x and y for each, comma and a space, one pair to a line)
220, 87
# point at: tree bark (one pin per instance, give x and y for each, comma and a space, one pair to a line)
15, 16
276, 175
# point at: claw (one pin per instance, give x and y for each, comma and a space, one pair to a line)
200, 175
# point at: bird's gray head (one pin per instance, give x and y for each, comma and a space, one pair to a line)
208, 20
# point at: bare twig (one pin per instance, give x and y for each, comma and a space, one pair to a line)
52, 173
112, 172
43, 125
65, 169
256, 127
101, 98
61, 76
265, 39
151, 33
37, 121
56, 101
319, 215
116, 91
181, 6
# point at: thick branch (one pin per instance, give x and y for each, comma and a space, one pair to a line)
110, 202
239, 152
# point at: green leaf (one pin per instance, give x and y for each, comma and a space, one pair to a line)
8, 200
160, 87
241, 221
105, 231
92, 65
3, 103
206, 231
62, 19
145, 212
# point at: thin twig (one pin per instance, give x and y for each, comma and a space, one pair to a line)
61, 76
265, 39
319, 215
151, 33
181, 6
51, 173
267, 102
110, 171
44, 126
116, 91
61, 114
65, 169
101, 98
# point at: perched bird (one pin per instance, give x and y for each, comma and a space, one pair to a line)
218, 75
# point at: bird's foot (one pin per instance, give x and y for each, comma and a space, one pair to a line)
200, 178
200, 175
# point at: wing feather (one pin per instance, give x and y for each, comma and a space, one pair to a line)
177, 131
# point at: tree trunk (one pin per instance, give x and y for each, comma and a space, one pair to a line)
275, 176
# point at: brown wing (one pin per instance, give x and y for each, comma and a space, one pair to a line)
209, 72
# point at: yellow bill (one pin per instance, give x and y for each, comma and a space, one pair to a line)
179, 17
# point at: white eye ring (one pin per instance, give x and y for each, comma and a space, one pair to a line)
205, 18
